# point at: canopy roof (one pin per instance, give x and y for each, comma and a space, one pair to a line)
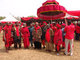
74, 13
51, 10
9, 19
28, 18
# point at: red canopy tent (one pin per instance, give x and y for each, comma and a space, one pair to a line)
29, 18
74, 13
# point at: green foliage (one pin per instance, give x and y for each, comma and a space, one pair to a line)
32, 16
1, 17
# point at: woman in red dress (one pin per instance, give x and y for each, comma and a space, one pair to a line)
7, 36
25, 35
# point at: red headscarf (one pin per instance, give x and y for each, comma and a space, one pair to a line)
44, 22
57, 25
63, 24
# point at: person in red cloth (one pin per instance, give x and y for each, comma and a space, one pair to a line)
54, 26
7, 36
25, 35
69, 37
44, 28
77, 31
58, 38
48, 36
17, 40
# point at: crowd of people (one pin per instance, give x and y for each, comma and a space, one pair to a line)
41, 36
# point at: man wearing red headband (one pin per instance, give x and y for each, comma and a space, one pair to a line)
69, 37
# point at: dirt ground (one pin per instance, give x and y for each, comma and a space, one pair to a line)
31, 54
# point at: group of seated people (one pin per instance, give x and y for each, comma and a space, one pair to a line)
45, 35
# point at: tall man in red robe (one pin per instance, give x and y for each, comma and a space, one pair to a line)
25, 35
69, 37
48, 36
7, 36
58, 38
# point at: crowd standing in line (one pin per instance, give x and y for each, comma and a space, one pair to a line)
47, 36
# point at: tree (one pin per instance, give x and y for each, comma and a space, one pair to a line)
1, 17
32, 16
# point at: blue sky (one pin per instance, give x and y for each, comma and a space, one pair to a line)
29, 7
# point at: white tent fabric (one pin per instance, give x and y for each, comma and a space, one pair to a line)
9, 19
67, 15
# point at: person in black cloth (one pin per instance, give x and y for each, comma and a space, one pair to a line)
44, 28
17, 40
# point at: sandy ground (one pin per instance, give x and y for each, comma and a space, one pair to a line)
31, 54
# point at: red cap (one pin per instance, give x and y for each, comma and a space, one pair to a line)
44, 22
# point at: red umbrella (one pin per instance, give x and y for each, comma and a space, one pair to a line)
51, 10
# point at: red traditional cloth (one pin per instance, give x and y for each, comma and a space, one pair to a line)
8, 41
17, 30
69, 32
44, 22
58, 38
57, 25
63, 44
26, 34
36, 28
54, 28
77, 29
51, 25
22, 24
43, 42
69, 47
47, 35
63, 24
